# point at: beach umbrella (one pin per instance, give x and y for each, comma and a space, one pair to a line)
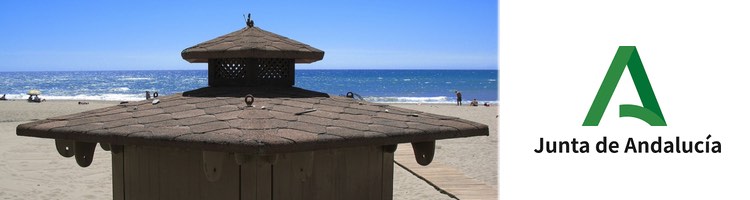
34, 92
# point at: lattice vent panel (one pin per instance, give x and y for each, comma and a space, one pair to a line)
275, 69
231, 69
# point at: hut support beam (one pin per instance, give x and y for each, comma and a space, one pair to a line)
390, 148
118, 172
105, 146
424, 152
66, 148
84, 153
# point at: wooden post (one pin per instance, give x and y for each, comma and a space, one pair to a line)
212, 65
118, 182
387, 175
251, 70
290, 78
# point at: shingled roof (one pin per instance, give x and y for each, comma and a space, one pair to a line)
252, 42
281, 119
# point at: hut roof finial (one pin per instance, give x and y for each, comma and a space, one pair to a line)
249, 21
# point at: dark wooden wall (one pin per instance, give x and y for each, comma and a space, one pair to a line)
165, 173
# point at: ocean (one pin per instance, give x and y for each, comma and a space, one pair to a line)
383, 86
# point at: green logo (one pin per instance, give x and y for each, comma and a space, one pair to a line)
627, 56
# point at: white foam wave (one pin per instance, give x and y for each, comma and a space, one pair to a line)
135, 79
438, 99
119, 89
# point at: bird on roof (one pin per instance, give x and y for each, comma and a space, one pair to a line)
249, 21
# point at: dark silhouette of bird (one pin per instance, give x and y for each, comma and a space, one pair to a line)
249, 21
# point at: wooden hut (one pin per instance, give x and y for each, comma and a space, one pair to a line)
250, 134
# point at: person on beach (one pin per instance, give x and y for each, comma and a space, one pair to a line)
148, 95
486, 104
458, 98
3, 98
35, 99
474, 102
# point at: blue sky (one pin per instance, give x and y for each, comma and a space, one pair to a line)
145, 35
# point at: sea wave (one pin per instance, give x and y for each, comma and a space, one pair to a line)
438, 99
389, 86
135, 79
120, 89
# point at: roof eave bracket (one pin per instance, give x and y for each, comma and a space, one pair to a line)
424, 152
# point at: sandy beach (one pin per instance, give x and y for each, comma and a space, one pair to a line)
30, 168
